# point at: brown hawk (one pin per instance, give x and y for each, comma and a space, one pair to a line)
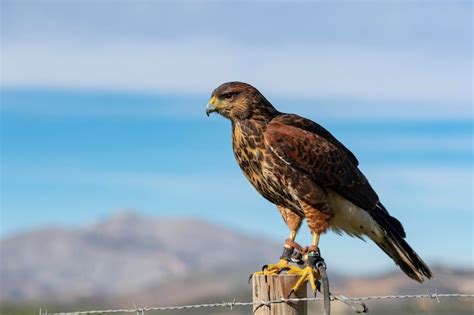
308, 174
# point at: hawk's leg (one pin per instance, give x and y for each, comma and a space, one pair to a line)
318, 217
289, 254
311, 257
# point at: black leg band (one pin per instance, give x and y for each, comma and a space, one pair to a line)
287, 253
314, 258
297, 258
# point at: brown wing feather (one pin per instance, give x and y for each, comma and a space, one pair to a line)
311, 126
328, 164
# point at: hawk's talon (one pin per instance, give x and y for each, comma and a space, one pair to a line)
276, 269
307, 274
318, 287
250, 278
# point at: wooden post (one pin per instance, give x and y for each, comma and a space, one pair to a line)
273, 288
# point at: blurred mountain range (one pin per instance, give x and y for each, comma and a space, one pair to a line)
153, 261
122, 254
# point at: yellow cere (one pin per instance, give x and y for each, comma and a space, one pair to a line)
212, 100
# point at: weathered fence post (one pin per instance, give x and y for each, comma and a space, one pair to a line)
274, 288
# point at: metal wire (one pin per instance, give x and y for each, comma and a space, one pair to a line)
141, 310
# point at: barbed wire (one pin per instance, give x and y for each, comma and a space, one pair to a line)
342, 298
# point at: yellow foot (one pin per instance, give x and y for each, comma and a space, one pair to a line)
274, 269
307, 274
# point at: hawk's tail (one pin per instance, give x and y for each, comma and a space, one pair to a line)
405, 257
397, 248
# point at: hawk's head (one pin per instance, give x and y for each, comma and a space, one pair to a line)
239, 101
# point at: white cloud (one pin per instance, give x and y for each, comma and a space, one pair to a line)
297, 70
407, 60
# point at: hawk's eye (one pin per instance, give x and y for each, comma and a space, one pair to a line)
229, 96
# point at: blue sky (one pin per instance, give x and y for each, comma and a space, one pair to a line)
103, 110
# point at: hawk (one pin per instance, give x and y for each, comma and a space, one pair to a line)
307, 173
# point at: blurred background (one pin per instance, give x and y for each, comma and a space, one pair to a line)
116, 188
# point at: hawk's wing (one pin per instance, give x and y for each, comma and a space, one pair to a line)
311, 126
311, 149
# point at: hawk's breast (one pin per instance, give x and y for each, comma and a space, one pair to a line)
269, 175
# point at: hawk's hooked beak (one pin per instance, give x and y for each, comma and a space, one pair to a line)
211, 107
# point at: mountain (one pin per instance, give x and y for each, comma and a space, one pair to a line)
150, 261
125, 253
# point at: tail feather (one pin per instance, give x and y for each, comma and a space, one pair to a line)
397, 248
405, 257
